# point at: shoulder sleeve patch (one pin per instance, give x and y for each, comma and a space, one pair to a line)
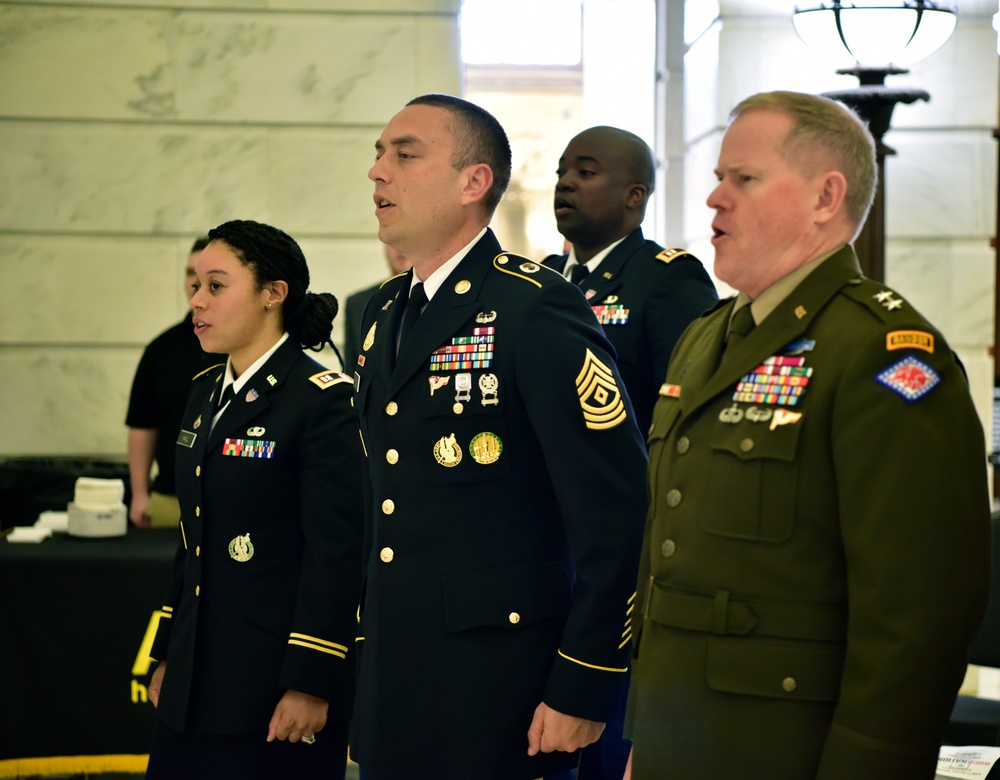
669, 255
205, 371
910, 378
910, 339
600, 399
325, 379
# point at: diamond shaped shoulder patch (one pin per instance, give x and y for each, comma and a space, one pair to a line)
911, 378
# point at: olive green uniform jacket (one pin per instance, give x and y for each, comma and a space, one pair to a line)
815, 562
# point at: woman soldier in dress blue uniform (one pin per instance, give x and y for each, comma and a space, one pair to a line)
256, 635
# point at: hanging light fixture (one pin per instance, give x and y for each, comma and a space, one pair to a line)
876, 32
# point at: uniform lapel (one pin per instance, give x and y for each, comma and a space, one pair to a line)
252, 399
383, 350
607, 277
785, 323
452, 306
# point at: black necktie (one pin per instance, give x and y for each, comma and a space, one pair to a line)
414, 305
740, 327
577, 273
227, 395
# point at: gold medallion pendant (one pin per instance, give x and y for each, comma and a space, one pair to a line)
241, 549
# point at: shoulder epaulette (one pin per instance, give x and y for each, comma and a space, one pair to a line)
325, 379
884, 303
206, 370
521, 267
669, 255
391, 278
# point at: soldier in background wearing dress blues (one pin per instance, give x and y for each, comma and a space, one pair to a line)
814, 455
643, 295
506, 475
256, 636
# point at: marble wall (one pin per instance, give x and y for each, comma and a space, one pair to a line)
128, 127
941, 186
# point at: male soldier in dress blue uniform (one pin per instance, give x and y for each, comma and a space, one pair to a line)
506, 481
643, 295
815, 454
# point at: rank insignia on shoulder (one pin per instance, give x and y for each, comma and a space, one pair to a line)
600, 398
325, 379
887, 299
669, 255
911, 378
670, 391
910, 339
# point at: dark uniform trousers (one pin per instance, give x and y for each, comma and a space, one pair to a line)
268, 570
644, 296
816, 559
506, 475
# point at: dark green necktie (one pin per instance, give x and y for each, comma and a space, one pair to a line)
740, 327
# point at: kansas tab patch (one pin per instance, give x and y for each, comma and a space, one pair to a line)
911, 378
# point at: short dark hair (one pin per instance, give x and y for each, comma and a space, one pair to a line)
272, 255
479, 138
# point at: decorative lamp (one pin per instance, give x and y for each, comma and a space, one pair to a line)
876, 32
880, 36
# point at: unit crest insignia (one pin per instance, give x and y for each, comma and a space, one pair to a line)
241, 548
447, 452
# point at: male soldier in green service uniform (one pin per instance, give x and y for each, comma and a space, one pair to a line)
506, 476
815, 561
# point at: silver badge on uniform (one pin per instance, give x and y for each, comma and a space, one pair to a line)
463, 387
489, 385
